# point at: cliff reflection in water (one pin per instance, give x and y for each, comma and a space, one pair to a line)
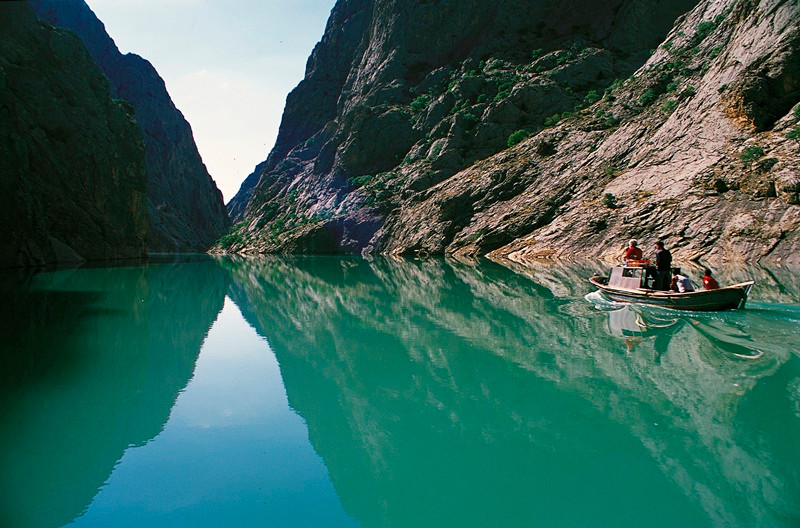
442, 393
92, 364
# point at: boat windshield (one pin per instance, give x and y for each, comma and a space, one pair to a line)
627, 277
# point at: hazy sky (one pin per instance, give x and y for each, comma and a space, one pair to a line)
228, 66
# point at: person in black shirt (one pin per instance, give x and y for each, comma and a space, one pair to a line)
663, 266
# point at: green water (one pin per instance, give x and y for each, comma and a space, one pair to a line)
328, 391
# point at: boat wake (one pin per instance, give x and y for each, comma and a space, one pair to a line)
601, 302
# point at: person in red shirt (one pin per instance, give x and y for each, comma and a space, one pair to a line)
709, 282
633, 252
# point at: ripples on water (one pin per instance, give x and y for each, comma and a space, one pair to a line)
338, 391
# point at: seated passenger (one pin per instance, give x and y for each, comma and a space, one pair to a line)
709, 282
681, 283
633, 252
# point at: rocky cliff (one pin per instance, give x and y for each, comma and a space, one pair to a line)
184, 206
539, 128
71, 157
238, 203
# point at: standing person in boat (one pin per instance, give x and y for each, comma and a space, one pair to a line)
663, 266
681, 283
709, 282
633, 252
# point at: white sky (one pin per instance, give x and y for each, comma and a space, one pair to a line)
228, 66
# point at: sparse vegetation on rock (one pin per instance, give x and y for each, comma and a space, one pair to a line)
516, 137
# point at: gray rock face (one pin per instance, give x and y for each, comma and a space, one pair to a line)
71, 158
535, 128
185, 207
238, 203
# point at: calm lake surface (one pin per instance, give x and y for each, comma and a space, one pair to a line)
327, 391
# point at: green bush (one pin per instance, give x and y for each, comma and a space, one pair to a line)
689, 91
359, 181
610, 201
535, 54
517, 137
592, 97
751, 153
704, 29
552, 120
562, 59
648, 98
505, 86
669, 106
421, 103
458, 107
470, 120
229, 240
797, 112
232, 237
794, 133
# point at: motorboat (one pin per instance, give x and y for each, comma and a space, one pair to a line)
633, 283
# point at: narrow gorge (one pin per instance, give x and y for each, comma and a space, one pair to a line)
538, 129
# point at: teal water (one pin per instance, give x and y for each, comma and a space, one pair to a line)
327, 391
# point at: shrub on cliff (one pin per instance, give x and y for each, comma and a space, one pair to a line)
648, 98
517, 137
421, 103
751, 153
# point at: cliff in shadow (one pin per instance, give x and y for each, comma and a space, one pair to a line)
115, 346
184, 206
539, 128
446, 394
71, 157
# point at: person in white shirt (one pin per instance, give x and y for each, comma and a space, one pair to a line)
681, 283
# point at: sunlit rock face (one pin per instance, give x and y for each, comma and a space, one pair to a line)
184, 206
71, 158
411, 372
538, 128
